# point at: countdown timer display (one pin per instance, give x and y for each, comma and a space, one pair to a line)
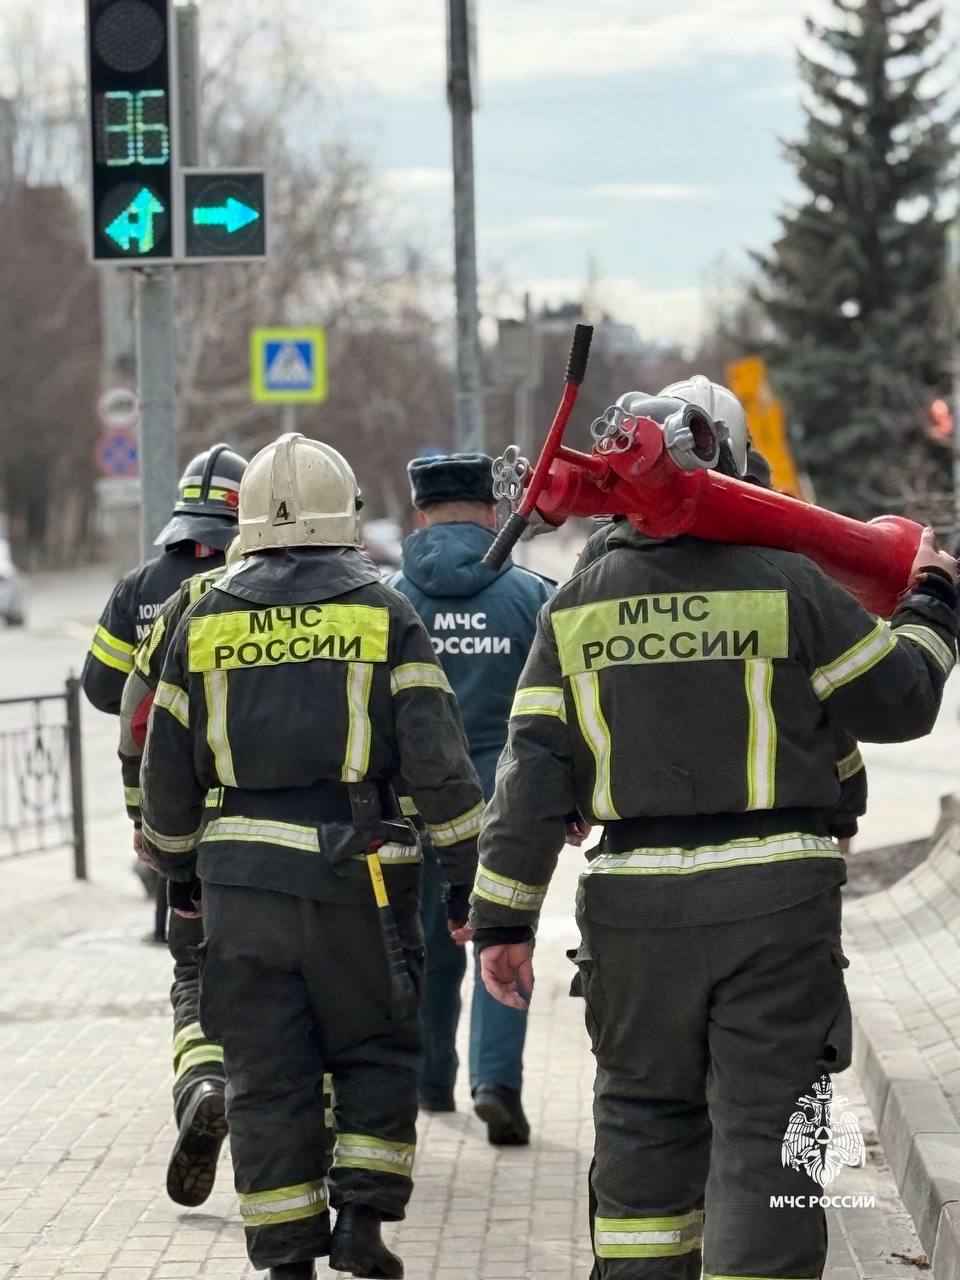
131, 127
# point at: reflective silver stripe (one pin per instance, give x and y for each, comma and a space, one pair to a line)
357, 757
596, 733
927, 639
508, 893
418, 675
761, 734
290, 835
736, 853
538, 700
463, 828
661, 1237
361, 1151
170, 698
286, 1204
171, 844
850, 765
855, 662
215, 690
392, 855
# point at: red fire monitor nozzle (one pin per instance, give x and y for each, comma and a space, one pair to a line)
666, 489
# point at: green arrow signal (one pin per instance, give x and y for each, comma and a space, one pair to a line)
135, 222
232, 215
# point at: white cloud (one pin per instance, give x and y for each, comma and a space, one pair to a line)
670, 315
401, 50
418, 178
652, 192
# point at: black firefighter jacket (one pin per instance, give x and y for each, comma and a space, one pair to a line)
141, 683
295, 676
685, 695
134, 605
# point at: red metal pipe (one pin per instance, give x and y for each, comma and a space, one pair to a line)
871, 560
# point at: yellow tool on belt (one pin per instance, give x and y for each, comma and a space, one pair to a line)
404, 991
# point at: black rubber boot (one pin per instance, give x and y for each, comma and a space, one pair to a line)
356, 1246
294, 1271
203, 1127
501, 1111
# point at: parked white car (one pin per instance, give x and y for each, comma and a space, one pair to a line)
12, 590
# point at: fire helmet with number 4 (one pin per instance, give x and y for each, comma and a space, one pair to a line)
298, 493
207, 499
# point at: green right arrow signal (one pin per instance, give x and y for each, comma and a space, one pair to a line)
232, 215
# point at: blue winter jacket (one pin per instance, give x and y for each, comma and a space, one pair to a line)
481, 622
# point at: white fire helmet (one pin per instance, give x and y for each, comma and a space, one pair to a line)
722, 405
298, 493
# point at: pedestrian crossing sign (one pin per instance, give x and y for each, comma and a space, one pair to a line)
288, 366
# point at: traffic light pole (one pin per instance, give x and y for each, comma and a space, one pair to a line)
156, 301
156, 386
469, 405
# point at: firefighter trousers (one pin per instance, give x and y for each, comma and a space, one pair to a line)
712, 1044
294, 988
195, 1058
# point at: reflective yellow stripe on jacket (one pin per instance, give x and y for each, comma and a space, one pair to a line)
112, 651
855, 662
539, 700
748, 851
931, 643
466, 827
418, 675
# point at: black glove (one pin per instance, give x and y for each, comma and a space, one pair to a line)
184, 895
458, 904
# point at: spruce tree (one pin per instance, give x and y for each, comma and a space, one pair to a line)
854, 287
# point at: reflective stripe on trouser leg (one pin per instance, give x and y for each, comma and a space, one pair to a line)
259, 1007
195, 1056
667, 1236
275, 1207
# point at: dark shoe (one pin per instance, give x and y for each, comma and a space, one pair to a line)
439, 1101
501, 1111
294, 1271
356, 1246
203, 1127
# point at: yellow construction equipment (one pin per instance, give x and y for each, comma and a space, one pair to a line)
767, 421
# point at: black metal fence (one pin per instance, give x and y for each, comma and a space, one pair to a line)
41, 775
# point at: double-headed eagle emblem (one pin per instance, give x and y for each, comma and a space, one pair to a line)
822, 1135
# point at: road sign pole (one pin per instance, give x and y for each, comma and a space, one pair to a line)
288, 418
469, 405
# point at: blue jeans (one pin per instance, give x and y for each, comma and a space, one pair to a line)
497, 1034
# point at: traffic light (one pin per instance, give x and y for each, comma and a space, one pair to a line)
130, 72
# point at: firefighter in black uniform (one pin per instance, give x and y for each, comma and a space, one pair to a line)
204, 521
684, 694
301, 689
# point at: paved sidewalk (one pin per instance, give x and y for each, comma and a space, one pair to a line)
85, 1123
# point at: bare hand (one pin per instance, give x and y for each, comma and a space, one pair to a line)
140, 849
929, 557
460, 933
187, 915
507, 973
577, 831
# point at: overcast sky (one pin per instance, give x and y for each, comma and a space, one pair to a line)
640, 136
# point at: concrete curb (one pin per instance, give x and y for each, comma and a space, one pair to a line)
917, 1127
